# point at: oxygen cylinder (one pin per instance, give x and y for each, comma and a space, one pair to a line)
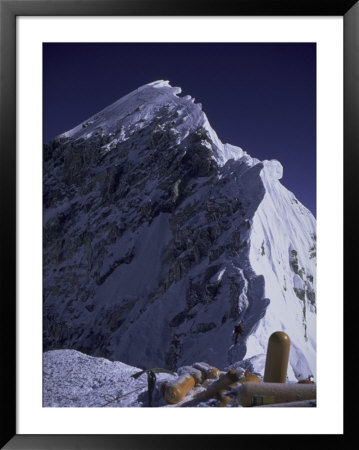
258, 394
277, 358
176, 391
249, 378
209, 372
225, 395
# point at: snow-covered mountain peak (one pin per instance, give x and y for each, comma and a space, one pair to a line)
159, 102
163, 84
146, 103
159, 239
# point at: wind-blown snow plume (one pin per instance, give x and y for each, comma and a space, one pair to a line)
159, 239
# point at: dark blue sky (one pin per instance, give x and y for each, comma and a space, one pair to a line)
261, 97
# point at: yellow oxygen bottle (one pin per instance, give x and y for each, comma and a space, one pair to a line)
277, 358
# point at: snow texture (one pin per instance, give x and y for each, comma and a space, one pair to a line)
73, 379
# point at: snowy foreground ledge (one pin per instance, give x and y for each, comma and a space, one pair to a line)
73, 379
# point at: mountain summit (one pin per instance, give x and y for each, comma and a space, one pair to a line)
159, 239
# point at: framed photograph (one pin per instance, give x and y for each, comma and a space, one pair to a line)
173, 187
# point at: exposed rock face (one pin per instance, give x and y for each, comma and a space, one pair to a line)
156, 240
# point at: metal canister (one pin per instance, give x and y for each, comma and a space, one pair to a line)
177, 390
277, 358
258, 394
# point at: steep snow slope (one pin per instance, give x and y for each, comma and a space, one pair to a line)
283, 249
158, 239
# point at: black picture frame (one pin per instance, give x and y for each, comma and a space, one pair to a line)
9, 10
